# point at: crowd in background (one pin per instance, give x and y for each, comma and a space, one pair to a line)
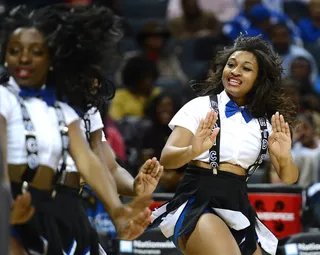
168, 43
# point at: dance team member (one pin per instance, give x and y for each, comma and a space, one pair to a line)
223, 136
38, 49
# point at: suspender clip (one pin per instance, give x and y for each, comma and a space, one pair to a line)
54, 193
24, 187
214, 171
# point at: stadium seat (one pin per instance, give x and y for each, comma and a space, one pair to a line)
144, 8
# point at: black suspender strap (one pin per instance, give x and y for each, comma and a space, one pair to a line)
263, 149
87, 125
214, 152
60, 175
31, 145
31, 141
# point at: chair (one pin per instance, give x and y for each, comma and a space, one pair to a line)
144, 8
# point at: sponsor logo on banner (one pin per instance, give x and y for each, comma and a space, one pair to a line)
153, 243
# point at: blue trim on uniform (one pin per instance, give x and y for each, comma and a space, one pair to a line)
14, 233
71, 247
87, 251
180, 221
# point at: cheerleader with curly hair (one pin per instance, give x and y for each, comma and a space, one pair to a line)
224, 135
53, 55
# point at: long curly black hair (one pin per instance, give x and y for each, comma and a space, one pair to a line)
266, 96
82, 42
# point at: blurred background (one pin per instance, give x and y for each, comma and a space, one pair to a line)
168, 43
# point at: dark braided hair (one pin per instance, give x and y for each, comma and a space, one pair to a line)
82, 42
266, 96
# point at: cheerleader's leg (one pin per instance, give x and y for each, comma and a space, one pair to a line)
210, 236
258, 251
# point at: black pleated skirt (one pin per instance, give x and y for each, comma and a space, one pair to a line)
223, 194
60, 225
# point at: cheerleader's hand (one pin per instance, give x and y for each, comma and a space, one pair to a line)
148, 177
22, 210
136, 213
280, 139
135, 227
205, 135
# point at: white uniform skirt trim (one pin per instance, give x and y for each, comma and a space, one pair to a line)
234, 219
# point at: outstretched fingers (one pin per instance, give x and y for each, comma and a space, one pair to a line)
155, 170
149, 166
214, 134
284, 126
279, 125
207, 120
276, 123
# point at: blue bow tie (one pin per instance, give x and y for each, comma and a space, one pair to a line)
48, 94
232, 108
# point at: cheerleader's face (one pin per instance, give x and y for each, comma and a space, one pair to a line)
27, 57
239, 75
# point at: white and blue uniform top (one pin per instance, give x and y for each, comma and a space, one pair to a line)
44, 120
240, 142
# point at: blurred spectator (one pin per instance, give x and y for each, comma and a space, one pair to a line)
291, 88
256, 18
282, 43
159, 111
138, 75
296, 9
310, 104
224, 10
310, 27
152, 40
115, 140
194, 22
277, 5
301, 70
306, 151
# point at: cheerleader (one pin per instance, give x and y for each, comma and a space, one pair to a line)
45, 52
223, 136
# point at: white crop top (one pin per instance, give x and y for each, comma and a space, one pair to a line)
45, 122
240, 142
95, 124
